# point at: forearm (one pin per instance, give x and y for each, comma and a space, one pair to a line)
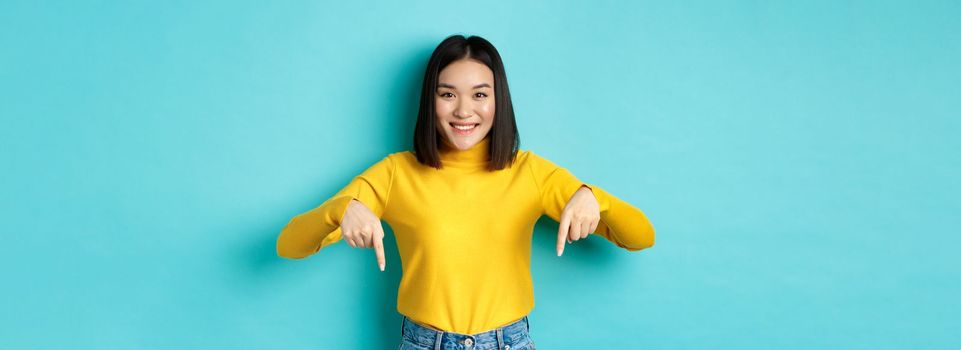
305, 234
622, 223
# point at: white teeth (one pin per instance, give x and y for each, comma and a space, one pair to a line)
467, 127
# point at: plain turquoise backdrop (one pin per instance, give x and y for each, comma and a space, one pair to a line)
799, 160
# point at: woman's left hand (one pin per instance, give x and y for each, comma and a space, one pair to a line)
579, 218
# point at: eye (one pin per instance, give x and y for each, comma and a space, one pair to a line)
444, 95
480, 95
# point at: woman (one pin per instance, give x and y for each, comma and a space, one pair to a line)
462, 206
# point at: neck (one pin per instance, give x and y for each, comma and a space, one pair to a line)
476, 156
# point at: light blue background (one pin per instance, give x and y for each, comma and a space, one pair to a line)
799, 160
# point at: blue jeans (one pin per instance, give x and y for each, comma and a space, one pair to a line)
514, 336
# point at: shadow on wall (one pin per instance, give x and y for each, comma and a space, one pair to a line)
260, 260
594, 250
260, 269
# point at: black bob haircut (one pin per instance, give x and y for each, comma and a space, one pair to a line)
504, 137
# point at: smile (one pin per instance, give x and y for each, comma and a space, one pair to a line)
463, 129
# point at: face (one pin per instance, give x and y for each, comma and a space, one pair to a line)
464, 103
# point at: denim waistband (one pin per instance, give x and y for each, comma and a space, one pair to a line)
496, 339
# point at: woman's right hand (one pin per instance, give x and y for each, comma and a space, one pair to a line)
362, 229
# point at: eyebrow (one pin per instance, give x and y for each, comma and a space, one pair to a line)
444, 85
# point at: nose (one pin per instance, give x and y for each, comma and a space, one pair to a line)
463, 110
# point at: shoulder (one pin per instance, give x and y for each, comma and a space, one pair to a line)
525, 155
401, 156
534, 160
388, 163
402, 159
538, 165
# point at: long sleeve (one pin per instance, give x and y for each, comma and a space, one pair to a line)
621, 223
308, 232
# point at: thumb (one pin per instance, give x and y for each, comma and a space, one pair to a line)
379, 249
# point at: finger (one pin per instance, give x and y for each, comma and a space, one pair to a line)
379, 249
350, 241
368, 240
585, 229
363, 236
594, 226
562, 232
575, 231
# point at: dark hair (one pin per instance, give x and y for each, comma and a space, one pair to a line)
504, 138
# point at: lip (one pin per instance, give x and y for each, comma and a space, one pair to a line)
463, 132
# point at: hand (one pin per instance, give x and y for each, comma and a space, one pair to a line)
362, 229
579, 217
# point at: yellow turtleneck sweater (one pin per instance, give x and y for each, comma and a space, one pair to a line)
463, 232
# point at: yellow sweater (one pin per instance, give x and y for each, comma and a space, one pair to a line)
463, 232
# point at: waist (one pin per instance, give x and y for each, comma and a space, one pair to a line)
424, 325
514, 332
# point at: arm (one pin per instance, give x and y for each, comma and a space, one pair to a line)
308, 232
621, 223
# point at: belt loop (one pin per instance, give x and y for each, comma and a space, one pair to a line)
403, 324
500, 338
437, 341
528, 323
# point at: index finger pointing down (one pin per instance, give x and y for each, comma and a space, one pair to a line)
379, 248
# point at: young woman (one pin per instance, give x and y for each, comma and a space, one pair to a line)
462, 206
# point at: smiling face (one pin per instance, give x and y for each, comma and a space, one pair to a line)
464, 103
